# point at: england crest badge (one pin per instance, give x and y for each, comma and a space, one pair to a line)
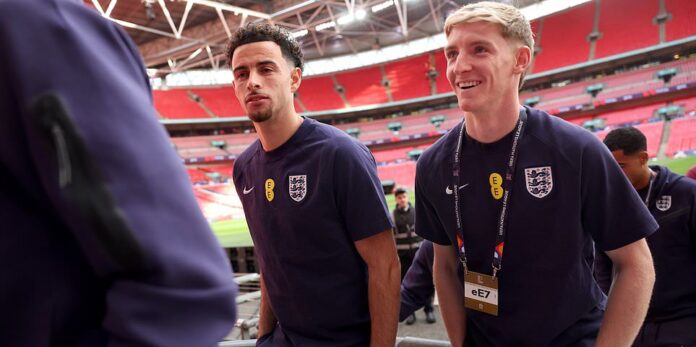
539, 181
664, 203
297, 187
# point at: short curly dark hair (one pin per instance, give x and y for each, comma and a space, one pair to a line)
629, 139
260, 32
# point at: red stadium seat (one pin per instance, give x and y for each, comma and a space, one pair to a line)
363, 87
221, 101
626, 25
409, 77
319, 94
683, 22
563, 38
176, 104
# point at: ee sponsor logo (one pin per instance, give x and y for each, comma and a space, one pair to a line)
269, 185
496, 182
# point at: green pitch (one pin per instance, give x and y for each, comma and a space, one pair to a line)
235, 233
680, 166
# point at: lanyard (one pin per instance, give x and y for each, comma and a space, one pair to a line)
507, 186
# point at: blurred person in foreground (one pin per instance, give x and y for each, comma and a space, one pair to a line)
103, 243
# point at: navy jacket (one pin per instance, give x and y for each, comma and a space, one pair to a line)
417, 287
102, 242
673, 204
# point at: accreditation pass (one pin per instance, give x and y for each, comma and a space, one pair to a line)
481, 292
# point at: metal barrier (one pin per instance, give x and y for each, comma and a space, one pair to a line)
400, 342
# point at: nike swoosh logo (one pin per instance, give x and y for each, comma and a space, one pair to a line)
247, 191
449, 191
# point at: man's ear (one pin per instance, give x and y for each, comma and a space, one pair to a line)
295, 79
523, 57
643, 155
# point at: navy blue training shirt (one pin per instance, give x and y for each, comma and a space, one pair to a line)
306, 203
673, 204
567, 192
102, 241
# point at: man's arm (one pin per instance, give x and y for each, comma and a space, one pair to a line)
267, 319
417, 287
450, 292
629, 295
379, 253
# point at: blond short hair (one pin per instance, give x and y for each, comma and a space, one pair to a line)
512, 22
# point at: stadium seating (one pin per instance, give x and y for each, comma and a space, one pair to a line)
682, 136
630, 116
409, 77
626, 25
397, 154
441, 83
176, 104
221, 101
563, 38
682, 23
641, 80
363, 87
319, 94
403, 174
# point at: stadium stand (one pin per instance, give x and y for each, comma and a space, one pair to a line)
442, 84
397, 154
363, 87
319, 94
682, 135
403, 174
176, 104
631, 116
221, 101
409, 77
563, 38
682, 23
626, 25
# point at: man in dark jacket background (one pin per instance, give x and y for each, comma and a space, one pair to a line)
671, 199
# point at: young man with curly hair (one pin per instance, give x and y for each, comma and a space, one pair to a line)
315, 208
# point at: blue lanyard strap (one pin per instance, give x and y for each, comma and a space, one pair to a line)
507, 186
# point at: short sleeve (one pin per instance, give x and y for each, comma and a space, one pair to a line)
612, 211
359, 194
428, 224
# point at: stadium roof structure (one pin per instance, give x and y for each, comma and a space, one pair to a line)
177, 35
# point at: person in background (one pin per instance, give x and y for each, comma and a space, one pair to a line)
671, 199
691, 173
103, 242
